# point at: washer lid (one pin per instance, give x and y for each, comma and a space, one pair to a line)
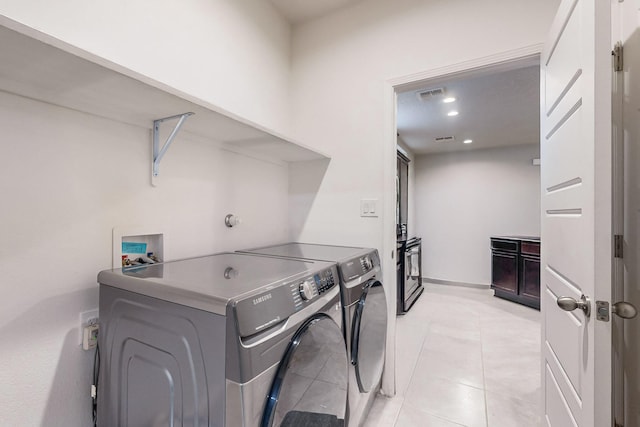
310, 251
209, 282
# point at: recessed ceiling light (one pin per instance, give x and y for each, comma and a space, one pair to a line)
452, 113
448, 100
468, 141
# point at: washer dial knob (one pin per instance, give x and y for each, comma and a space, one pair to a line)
306, 290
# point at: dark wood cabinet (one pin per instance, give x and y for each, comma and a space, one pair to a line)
515, 269
530, 277
504, 271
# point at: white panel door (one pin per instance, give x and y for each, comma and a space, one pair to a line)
576, 214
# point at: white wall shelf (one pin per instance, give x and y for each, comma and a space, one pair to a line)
38, 66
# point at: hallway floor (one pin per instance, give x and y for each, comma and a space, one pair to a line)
464, 358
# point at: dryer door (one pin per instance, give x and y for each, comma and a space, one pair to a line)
310, 386
368, 335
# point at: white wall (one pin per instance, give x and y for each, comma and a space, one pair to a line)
232, 53
66, 179
464, 198
340, 67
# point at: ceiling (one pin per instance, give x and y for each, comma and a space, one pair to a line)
495, 110
298, 11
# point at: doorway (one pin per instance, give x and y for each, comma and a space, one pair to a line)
449, 155
629, 134
474, 145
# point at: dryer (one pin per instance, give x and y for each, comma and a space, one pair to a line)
365, 313
227, 340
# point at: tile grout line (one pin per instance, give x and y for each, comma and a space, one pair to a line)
413, 371
423, 349
439, 417
484, 381
404, 396
395, 419
486, 348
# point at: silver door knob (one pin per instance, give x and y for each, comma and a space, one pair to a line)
570, 304
626, 310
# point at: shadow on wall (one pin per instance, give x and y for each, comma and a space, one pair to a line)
69, 398
46, 333
305, 179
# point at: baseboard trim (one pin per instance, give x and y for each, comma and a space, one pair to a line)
452, 283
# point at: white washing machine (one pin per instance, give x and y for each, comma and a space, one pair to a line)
365, 314
227, 340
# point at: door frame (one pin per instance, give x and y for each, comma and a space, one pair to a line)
624, 23
603, 194
492, 63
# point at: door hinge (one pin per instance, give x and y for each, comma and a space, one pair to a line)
618, 246
617, 54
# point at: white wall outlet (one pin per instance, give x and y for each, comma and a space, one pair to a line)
369, 207
90, 337
87, 318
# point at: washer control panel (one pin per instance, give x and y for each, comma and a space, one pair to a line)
311, 287
307, 290
359, 266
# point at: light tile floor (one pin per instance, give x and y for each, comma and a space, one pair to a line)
464, 358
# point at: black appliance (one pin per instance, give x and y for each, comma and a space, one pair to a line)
409, 272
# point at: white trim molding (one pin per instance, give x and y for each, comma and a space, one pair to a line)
511, 59
432, 281
492, 63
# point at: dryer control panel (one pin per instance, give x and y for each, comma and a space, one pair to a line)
261, 311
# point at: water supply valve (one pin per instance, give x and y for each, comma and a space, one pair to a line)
232, 220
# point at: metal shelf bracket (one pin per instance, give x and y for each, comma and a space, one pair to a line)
159, 152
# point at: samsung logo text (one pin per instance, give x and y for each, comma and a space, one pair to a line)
262, 298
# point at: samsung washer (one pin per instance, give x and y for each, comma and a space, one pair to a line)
365, 313
224, 340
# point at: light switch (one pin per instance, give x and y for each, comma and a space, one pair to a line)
369, 207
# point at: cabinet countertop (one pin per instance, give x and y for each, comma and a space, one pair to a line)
522, 238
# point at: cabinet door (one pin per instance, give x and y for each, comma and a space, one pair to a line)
530, 280
504, 271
